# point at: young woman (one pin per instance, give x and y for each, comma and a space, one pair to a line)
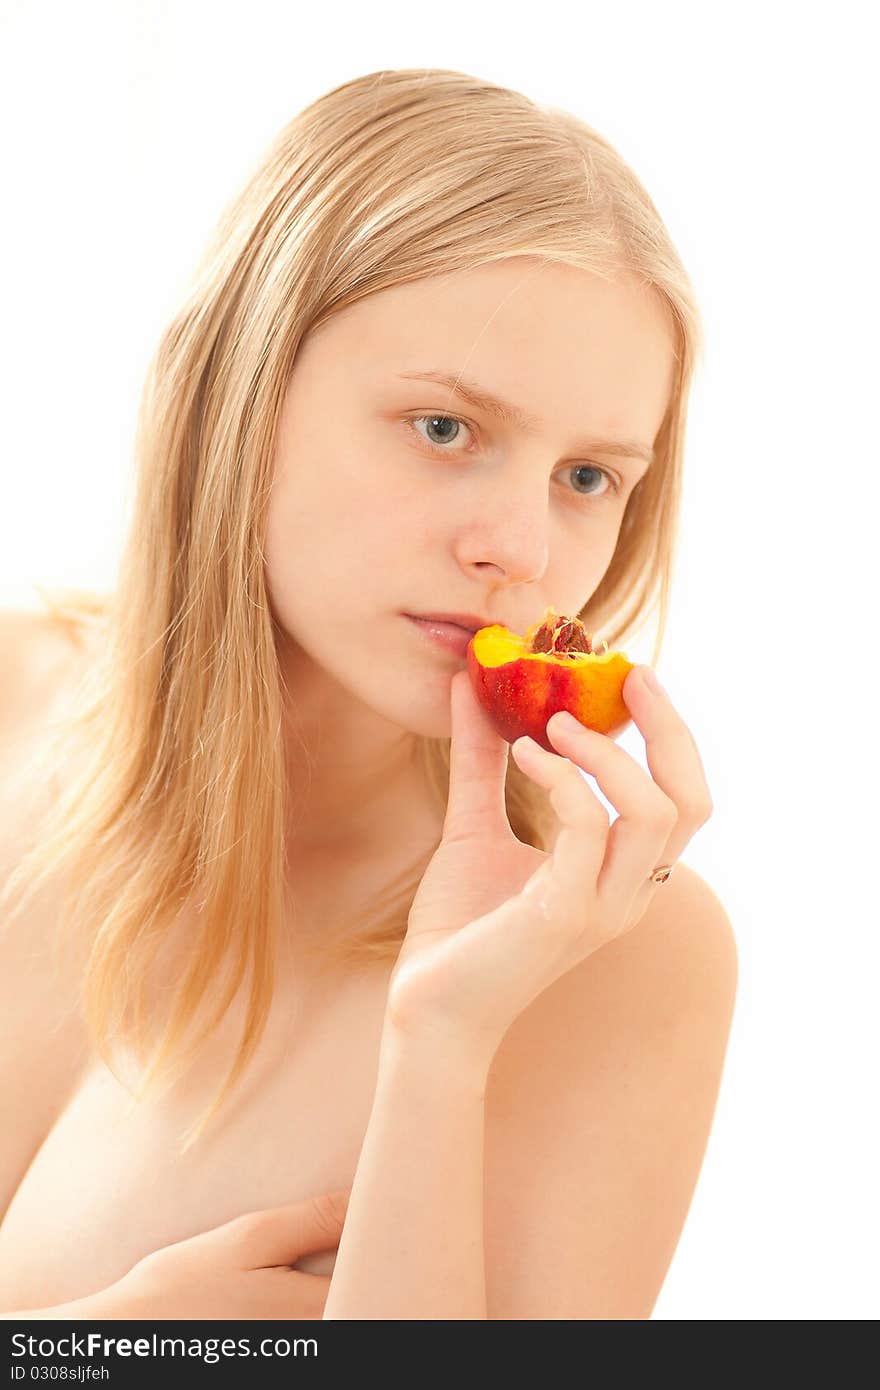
287, 918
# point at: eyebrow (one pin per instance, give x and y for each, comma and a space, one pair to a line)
512, 415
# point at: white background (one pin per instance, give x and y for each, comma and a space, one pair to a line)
127, 126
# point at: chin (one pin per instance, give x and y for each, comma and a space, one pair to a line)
426, 713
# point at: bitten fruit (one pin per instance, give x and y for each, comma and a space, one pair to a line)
521, 681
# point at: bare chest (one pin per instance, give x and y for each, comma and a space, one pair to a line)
109, 1186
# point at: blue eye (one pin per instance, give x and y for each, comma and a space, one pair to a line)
432, 420
613, 484
440, 448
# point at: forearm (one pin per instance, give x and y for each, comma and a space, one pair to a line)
412, 1246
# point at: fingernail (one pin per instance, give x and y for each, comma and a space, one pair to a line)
651, 681
526, 745
564, 719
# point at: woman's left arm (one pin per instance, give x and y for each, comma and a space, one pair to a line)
413, 1242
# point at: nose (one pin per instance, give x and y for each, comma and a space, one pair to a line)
510, 532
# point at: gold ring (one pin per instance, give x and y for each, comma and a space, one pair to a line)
661, 875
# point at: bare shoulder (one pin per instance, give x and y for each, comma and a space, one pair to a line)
41, 657
599, 1111
43, 1043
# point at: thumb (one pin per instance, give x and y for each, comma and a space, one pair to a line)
478, 760
280, 1235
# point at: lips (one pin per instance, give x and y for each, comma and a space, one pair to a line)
451, 636
470, 621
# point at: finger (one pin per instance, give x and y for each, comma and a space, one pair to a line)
309, 1298
671, 749
658, 814
281, 1235
478, 758
646, 815
315, 1292
288, 1293
567, 881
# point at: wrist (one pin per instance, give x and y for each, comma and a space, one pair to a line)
434, 1059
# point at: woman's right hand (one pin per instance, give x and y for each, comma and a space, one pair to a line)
240, 1270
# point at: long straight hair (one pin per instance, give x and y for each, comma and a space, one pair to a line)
173, 804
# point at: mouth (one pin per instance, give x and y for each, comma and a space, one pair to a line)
471, 621
451, 637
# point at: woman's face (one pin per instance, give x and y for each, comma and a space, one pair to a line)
394, 494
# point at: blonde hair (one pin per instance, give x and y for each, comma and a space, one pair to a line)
179, 792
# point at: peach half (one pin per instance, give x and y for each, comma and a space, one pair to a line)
521, 681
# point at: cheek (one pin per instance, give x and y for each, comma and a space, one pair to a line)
577, 566
383, 529
388, 543
338, 547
